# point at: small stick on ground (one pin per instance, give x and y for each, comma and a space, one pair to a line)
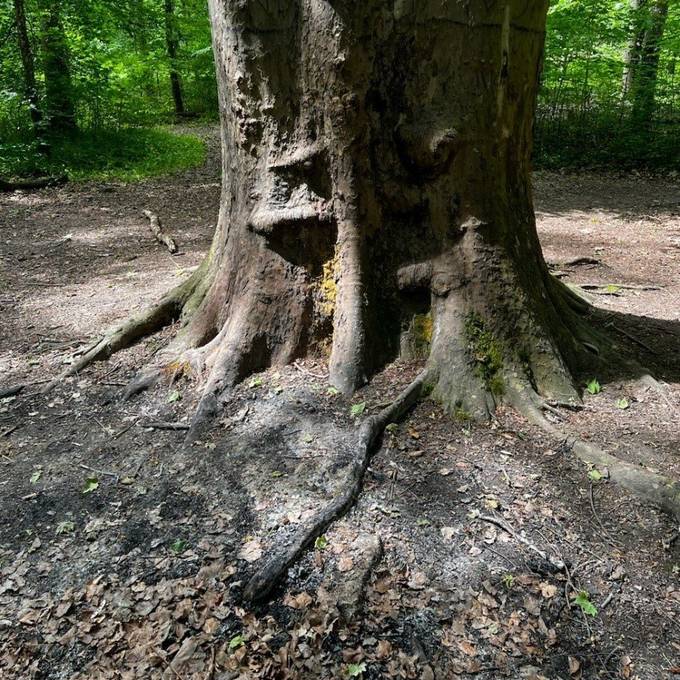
162, 425
104, 473
157, 230
633, 338
558, 564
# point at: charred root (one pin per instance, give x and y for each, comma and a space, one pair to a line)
266, 579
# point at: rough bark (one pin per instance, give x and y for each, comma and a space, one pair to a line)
172, 45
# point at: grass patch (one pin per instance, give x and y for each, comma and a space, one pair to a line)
127, 154
487, 353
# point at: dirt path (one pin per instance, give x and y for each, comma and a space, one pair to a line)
123, 557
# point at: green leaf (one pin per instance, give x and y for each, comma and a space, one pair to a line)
583, 601
174, 396
255, 382
358, 409
321, 543
278, 473
91, 483
307, 438
392, 428
593, 386
65, 527
611, 288
236, 642
178, 546
332, 391
595, 475
423, 522
354, 670
37, 474
622, 403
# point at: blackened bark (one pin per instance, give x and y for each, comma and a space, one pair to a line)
28, 65
172, 44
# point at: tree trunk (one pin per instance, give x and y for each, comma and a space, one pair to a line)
28, 65
376, 198
631, 56
59, 107
172, 43
642, 57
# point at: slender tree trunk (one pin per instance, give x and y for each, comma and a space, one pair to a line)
172, 43
631, 56
59, 107
28, 64
641, 59
376, 198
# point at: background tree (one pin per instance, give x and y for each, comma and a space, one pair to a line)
172, 42
28, 64
59, 104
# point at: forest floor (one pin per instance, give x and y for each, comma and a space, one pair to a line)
122, 555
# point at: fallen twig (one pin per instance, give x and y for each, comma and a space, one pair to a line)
105, 473
162, 425
558, 564
157, 230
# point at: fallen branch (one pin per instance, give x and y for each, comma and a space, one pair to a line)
267, 577
580, 260
29, 184
157, 230
11, 390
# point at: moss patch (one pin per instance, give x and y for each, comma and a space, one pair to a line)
487, 352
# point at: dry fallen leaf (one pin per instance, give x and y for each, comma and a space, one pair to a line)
345, 564
251, 551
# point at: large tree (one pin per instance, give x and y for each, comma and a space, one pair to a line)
376, 198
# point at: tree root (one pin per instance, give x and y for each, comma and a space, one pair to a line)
654, 488
264, 580
147, 322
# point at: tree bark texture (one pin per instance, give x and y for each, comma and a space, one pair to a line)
376, 197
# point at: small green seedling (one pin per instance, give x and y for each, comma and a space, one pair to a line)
321, 542
354, 670
91, 483
178, 546
593, 386
595, 475
358, 409
583, 601
236, 642
622, 403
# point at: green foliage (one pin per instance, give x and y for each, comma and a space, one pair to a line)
355, 670
582, 600
595, 475
593, 387
126, 154
586, 117
321, 543
358, 409
91, 484
112, 62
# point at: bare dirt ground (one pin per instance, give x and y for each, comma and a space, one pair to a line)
122, 555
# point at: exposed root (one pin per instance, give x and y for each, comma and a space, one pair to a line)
151, 320
262, 583
142, 381
650, 486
